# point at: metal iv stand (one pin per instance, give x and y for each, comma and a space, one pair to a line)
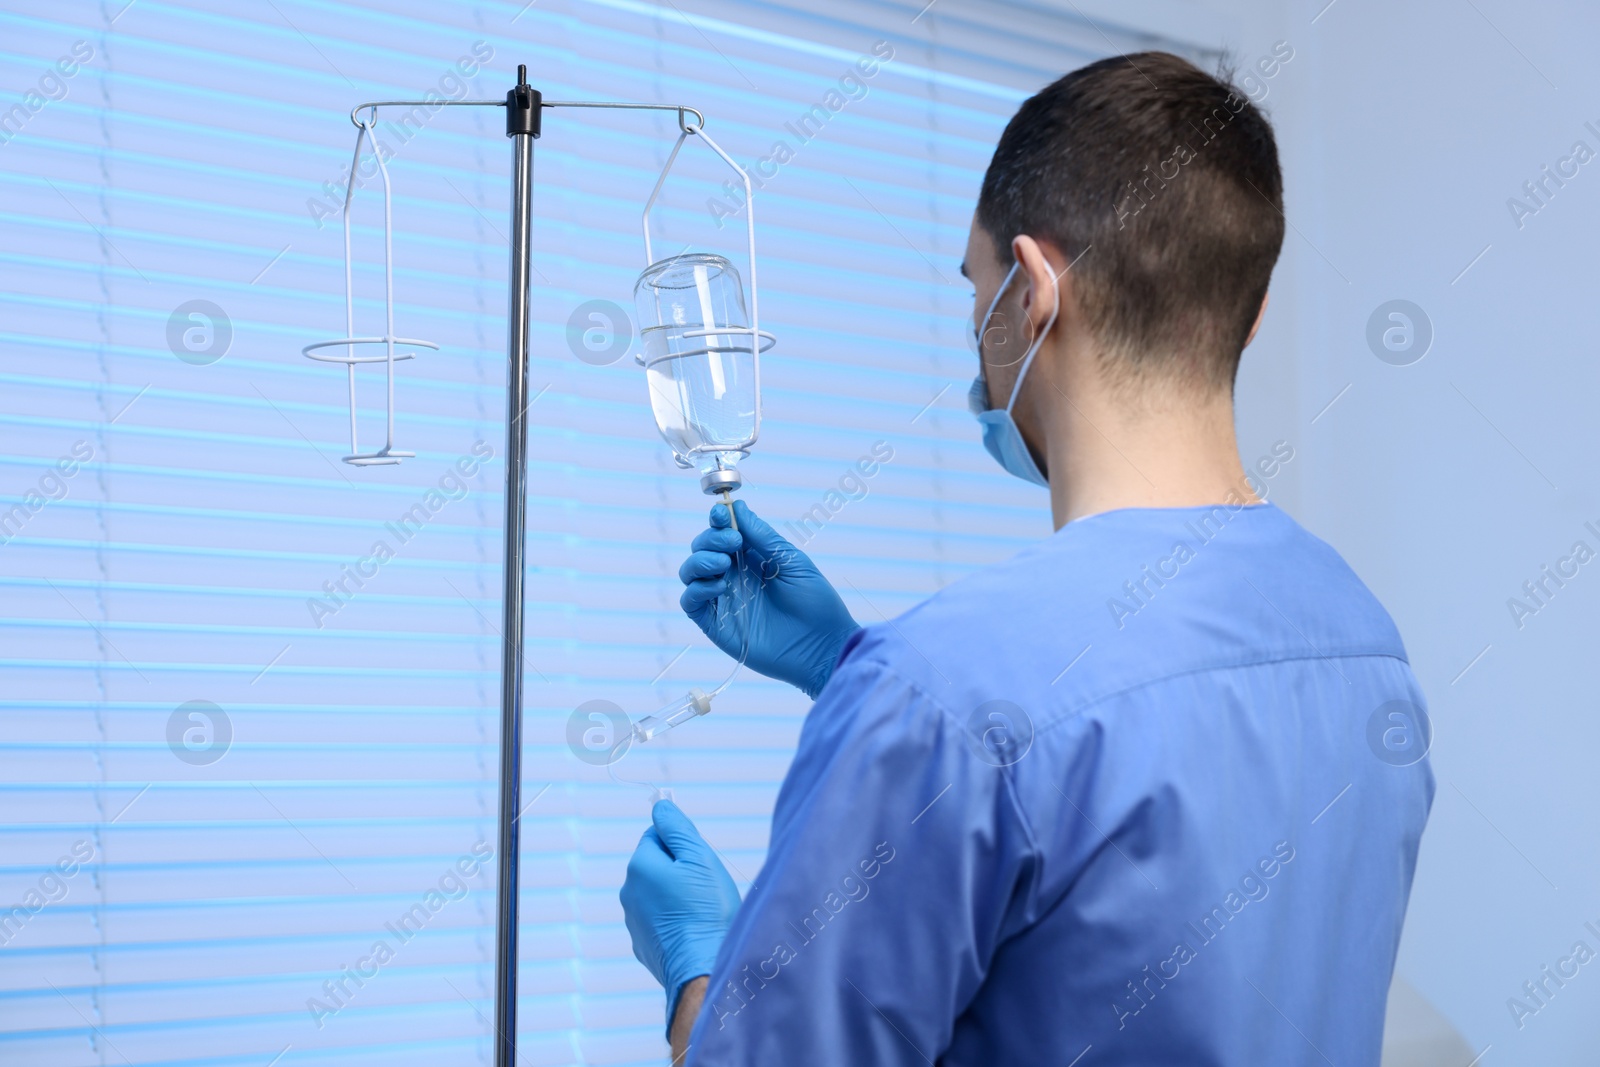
524, 110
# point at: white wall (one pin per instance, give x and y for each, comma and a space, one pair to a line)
1449, 482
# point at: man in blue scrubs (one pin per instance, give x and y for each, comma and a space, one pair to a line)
1149, 792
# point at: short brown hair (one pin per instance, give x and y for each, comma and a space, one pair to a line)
1165, 180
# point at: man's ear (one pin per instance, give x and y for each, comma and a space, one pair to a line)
1259, 316
1043, 284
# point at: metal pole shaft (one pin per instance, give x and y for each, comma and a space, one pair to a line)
522, 128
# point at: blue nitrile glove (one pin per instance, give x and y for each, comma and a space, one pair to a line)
678, 901
753, 578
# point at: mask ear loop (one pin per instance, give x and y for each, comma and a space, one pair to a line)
1038, 342
983, 327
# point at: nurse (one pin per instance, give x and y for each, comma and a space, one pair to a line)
1149, 792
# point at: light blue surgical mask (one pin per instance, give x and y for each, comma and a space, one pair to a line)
1001, 437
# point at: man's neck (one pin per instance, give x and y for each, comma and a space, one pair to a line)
1178, 452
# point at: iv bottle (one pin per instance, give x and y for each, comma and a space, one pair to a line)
702, 380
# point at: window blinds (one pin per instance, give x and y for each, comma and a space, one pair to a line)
248, 756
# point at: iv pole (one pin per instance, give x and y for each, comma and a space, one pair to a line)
524, 106
524, 112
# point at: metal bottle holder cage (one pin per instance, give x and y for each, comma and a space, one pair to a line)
711, 347
387, 454
524, 108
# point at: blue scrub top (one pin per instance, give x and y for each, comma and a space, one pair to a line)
1150, 792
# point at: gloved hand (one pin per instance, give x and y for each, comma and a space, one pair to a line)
678, 901
753, 581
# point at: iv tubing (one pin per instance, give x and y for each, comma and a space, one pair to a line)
623, 743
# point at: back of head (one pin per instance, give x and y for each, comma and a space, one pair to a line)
1161, 184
